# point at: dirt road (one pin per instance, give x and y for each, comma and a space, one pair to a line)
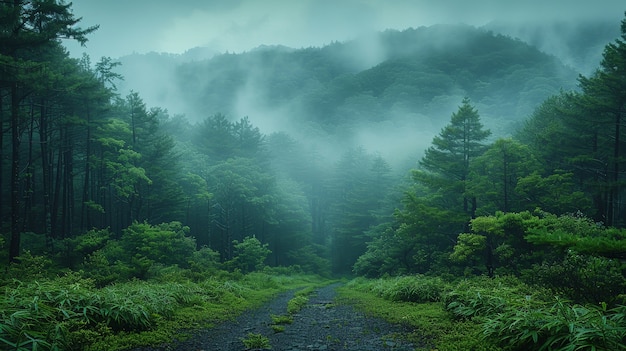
321, 325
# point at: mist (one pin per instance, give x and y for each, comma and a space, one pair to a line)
155, 45
237, 26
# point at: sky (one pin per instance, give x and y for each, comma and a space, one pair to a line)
175, 26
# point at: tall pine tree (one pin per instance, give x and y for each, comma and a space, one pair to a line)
445, 165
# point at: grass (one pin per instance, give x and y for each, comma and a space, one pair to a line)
70, 313
433, 325
256, 341
294, 305
282, 319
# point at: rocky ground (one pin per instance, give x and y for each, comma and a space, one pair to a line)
321, 325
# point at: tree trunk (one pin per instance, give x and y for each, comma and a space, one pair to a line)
614, 194
46, 174
85, 213
28, 220
2, 203
14, 248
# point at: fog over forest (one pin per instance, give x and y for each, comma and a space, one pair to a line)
163, 39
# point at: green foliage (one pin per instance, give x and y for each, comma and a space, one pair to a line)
555, 193
416, 241
435, 330
204, 259
559, 327
417, 288
30, 267
70, 313
310, 260
468, 246
494, 176
282, 319
256, 341
296, 304
360, 184
517, 316
98, 268
484, 297
142, 245
250, 254
581, 278
497, 242
91, 241
166, 243
580, 234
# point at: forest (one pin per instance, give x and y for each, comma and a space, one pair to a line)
492, 186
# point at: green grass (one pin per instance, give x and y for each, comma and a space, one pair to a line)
256, 341
488, 314
70, 313
434, 329
296, 304
282, 319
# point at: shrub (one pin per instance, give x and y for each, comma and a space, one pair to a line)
166, 243
84, 245
582, 278
96, 266
31, 267
250, 254
204, 260
417, 288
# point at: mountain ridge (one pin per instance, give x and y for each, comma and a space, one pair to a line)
378, 86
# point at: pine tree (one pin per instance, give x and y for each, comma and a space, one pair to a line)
445, 165
27, 29
605, 104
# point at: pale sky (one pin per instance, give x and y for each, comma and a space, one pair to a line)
174, 26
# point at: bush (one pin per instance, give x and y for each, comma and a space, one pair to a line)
204, 260
250, 254
414, 289
96, 266
417, 288
581, 278
84, 245
31, 267
141, 247
166, 243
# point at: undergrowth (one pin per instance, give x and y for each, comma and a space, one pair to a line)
71, 313
489, 314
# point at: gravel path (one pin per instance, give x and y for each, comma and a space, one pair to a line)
320, 325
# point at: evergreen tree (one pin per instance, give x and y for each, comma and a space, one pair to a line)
605, 104
27, 28
446, 164
495, 175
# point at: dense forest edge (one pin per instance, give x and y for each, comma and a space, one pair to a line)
125, 225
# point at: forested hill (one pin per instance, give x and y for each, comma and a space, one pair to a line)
394, 76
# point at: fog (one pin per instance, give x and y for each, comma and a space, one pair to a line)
194, 30
142, 26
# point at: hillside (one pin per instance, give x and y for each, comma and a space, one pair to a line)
390, 91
